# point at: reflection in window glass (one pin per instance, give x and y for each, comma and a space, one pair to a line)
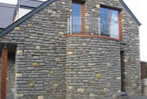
114, 26
104, 17
76, 18
109, 22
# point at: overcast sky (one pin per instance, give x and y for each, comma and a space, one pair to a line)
139, 8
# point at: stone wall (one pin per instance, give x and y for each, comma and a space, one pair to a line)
130, 45
87, 57
40, 56
48, 65
104, 56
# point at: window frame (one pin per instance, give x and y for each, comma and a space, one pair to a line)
82, 16
84, 34
119, 22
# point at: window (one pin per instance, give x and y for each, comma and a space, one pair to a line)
77, 17
109, 22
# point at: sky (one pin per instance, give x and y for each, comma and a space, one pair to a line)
138, 7
9, 1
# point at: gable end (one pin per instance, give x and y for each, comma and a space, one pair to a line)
130, 12
27, 16
24, 18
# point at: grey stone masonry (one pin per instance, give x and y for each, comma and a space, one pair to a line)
50, 65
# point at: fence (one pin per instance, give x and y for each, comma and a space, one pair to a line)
92, 25
76, 24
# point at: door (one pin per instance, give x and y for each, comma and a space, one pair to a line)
122, 71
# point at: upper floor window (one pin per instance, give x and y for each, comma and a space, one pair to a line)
77, 16
109, 22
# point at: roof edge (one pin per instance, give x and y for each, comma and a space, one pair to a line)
130, 12
8, 5
24, 18
43, 5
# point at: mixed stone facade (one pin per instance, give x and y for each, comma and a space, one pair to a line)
50, 65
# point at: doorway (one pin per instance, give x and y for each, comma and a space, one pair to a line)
7, 70
122, 63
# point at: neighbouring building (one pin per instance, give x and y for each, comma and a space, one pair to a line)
144, 77
12, 12
7, 14
25, 6
72, 49
143, 70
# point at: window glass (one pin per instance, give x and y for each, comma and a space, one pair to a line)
114, 26
104, 17
109, 22
76, 18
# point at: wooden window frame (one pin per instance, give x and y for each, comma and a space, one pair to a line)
84, 34
119, 21
82, 16
120, 25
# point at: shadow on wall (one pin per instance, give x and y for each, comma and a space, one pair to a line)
10, 71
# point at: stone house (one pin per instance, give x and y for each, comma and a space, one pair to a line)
72, 49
